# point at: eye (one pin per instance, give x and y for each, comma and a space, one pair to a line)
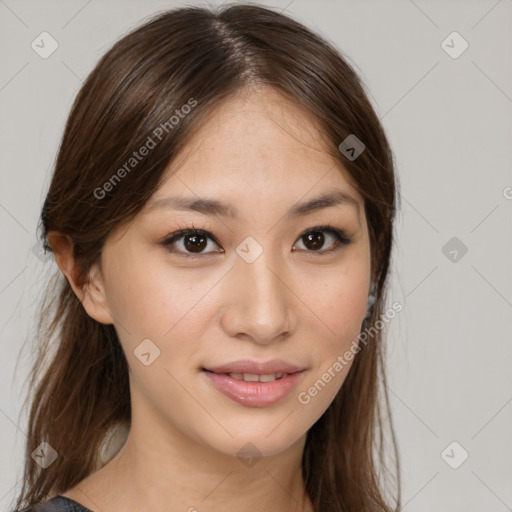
314, 239
192, 242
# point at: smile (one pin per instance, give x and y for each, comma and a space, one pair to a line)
253, 390
252, 377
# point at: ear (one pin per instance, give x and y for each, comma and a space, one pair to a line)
91, 293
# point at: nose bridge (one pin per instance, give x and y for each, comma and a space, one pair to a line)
261, 297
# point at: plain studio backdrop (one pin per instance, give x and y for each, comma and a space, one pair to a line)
439, 75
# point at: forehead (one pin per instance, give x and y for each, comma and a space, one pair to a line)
256, 148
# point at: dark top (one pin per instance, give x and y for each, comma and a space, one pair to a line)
59, 504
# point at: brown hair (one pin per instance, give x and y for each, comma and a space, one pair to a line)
202, 55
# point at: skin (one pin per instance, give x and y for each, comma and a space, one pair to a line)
263, 155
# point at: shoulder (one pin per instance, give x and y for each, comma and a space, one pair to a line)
59, 504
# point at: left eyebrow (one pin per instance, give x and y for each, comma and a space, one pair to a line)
326, 200
209, 206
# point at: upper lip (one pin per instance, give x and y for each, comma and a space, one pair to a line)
255, 367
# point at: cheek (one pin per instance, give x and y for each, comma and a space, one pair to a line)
337, 300
338, 307
342, 310
153, 301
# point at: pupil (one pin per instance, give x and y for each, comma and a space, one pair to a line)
316, 239
196, 246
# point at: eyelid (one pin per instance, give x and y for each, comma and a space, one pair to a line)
180, 233
341, 239
328, 228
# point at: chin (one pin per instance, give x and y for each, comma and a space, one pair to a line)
261, 439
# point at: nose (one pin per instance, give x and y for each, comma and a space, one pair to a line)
259, 301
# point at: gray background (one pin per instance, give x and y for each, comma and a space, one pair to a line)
449, 124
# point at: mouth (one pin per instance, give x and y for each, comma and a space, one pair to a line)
253, 377
274, 367
254, 384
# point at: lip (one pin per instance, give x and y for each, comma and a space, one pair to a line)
256, 367
254, 394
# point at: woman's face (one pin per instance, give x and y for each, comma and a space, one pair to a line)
252, 285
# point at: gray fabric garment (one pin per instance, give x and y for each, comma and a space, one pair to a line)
59, 504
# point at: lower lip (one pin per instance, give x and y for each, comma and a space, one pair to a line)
254, 394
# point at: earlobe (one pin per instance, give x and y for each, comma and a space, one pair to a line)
90, 292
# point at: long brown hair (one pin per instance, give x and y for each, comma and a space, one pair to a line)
202, 55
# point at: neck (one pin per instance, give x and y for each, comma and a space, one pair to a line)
165, 470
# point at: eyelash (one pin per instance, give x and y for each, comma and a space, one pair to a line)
341, 239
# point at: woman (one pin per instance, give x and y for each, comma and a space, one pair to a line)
221, 213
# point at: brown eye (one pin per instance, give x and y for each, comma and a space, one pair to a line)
189, 242
314, 239
194, 243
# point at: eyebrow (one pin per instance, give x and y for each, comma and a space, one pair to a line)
209, 206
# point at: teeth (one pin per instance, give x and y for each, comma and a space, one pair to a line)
251, 377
